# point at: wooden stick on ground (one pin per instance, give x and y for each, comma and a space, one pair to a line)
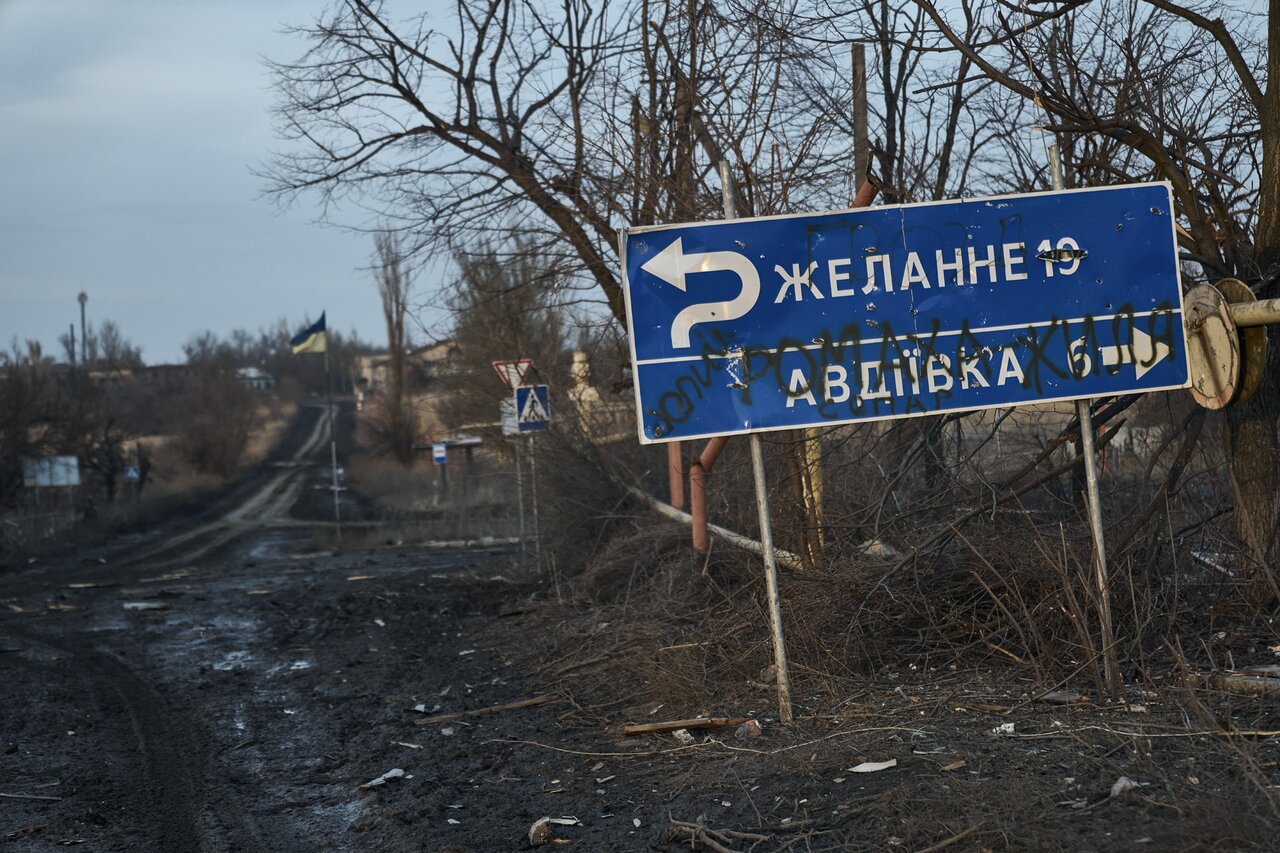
29, 797
495, 709
715, 840
947, 842
673, 725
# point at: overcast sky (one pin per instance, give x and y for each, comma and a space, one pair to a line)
128, 129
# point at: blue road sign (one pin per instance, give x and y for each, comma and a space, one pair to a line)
888, 312
533, 407
439, 454
132, 473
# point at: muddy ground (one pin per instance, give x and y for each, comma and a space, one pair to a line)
229, 681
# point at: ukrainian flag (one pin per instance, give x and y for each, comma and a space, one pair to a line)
312, 339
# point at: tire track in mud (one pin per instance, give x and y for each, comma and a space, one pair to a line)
159, 766
165, 756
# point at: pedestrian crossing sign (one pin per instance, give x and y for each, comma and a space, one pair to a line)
533, 407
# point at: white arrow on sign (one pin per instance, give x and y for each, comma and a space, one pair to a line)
1144, 354
672, 265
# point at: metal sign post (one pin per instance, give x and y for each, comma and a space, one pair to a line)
533, 415
1084, 414
766, 527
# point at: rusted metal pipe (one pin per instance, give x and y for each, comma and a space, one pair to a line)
675, 473
866, 193
698, 491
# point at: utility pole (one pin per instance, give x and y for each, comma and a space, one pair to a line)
84, 337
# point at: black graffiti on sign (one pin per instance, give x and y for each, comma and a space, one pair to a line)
914, 372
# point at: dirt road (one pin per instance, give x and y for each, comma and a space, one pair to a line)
183, 690
221, 684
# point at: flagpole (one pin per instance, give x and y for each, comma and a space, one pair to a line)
333, 446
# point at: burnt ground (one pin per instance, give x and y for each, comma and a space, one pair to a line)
227, 683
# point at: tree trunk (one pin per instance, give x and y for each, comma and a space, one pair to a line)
1252, 439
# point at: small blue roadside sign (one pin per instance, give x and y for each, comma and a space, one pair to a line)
886, 312
533, 408
439, 454
132, 474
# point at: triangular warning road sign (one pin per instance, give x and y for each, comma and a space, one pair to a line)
513, 372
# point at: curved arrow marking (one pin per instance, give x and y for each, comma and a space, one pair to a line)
672, 265
1144, 353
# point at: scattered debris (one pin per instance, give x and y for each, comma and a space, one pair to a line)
874, 766
1268, 669
146, 605
673, 725
170, 576
1251, 685
379, 623
683, 735
360, 578
1003, 730
1063, 697
29, 797
92, 585
955, 765
396, 773
878, 548
26, 830
751, 728
1123, 784
698, 834
1213, 561
493, 709
258, 592
603, 779
406, 745
540, 832
447, 731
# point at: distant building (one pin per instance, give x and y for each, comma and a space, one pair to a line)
422, 365
160, 377
256, 379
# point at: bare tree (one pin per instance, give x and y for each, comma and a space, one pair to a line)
118, 352
555, 120
1154, 89
503, 309
394, 423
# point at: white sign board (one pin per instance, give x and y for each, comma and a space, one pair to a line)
507, 412
50, 471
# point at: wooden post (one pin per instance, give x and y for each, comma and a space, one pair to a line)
861, 149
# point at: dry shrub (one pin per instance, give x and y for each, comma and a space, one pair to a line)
213, 423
